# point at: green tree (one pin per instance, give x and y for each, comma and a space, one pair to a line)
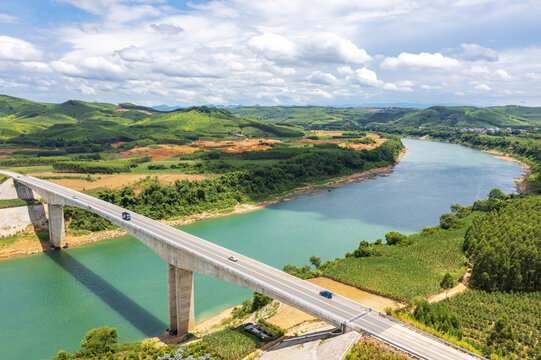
396, 238
447, 282
496, 194
450, 221
100, 340
316, 261
62, 355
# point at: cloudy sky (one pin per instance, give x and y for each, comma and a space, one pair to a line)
269, 52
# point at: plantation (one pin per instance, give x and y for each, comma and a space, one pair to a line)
403, 272
505, 246
479, 311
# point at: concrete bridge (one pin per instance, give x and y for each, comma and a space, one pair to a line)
186, 254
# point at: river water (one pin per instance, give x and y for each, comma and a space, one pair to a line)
49, 301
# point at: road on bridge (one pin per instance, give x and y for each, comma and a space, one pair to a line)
350, 314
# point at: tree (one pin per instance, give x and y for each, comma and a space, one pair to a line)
100, 340
450, 221
447, 282
496, 194
316, 261
395, 238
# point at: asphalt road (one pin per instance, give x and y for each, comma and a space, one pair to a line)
347, 312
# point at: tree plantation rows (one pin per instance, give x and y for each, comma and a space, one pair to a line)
506, 247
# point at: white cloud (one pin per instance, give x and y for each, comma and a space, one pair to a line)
17, 50
133, 53
334, 49
503, 75
318, 77
367, 77
6, 18
419, 61
483, 87
274, 46
475, 52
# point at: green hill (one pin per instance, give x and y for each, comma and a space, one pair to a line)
35, 124
315, 117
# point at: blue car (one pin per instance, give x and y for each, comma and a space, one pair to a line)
126, 216
326, 293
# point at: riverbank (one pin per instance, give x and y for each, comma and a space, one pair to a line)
31, 243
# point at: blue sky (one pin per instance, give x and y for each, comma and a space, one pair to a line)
271, 52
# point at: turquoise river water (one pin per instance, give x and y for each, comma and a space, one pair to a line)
49, 301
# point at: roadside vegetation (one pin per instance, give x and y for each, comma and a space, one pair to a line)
369, 349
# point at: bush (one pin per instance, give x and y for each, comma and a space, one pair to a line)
101, 340
396, 238
450, 222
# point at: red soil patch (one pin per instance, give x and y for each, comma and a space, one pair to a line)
379, 140
163, 152
237, 146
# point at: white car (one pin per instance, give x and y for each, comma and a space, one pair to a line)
233, 258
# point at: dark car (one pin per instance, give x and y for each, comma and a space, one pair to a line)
326, 293
126, 216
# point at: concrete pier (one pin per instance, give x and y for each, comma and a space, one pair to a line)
57, 233
181, 303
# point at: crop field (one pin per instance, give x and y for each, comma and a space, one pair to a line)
231, 344
409, 271
479, 310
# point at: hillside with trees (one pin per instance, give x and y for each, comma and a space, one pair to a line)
28, 123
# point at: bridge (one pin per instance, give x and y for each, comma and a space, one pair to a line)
186, 254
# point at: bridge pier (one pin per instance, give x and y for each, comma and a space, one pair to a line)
57, 232
180, 294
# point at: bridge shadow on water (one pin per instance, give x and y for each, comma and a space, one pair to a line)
132, 312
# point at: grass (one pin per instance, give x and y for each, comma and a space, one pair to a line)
369, 349
231, 344
11, 203
405, 272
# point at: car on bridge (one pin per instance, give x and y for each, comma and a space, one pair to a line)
126, 216
233, 258
326, 293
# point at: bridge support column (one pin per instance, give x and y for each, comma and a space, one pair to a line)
57, 234
181, 304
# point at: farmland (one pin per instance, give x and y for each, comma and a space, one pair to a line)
403, 272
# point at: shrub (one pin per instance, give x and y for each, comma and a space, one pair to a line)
100, 340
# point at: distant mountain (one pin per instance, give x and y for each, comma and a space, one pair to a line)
318, 117
30, 123
165, 107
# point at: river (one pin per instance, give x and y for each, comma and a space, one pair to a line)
49, 301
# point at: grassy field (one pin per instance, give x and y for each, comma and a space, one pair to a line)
409, 271
231, 344
479, 310
10, 203
369, 349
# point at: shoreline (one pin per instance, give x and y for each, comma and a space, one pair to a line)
31, 247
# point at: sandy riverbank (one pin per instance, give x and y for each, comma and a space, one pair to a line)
30, 244
521, 183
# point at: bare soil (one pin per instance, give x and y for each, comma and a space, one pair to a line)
117, 181
287, 317
163, 152
237, 146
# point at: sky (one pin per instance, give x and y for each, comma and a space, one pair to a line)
273, 52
